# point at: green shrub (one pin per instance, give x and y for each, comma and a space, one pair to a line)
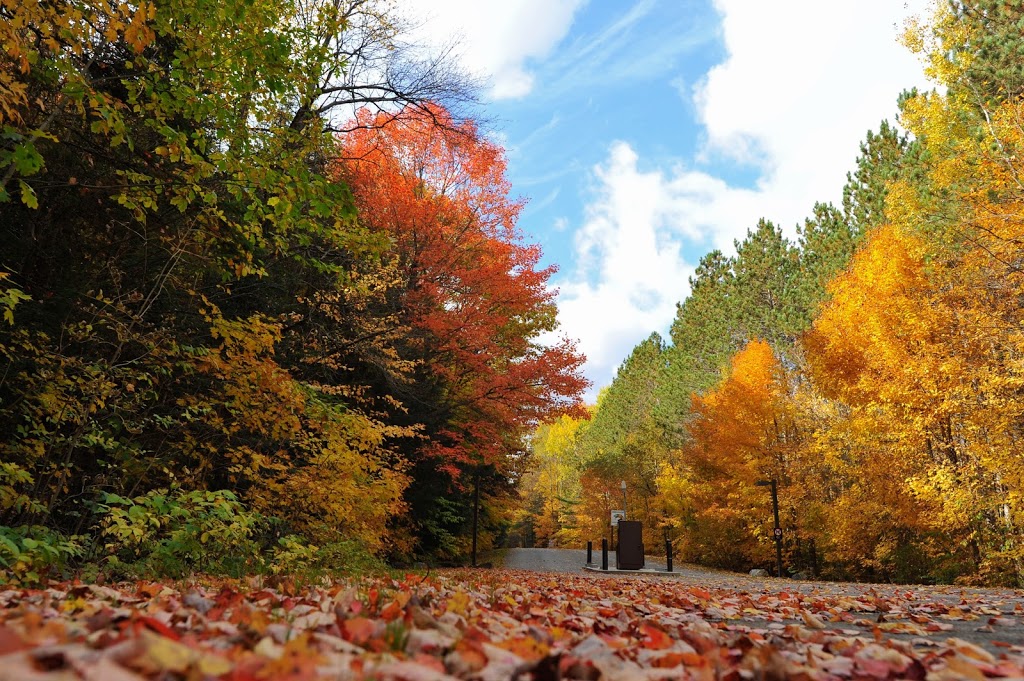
293, 555
174, 533
349, 556
30, 553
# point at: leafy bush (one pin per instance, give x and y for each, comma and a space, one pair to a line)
172, 533
14, 480
29, 553
349, 556
294, 556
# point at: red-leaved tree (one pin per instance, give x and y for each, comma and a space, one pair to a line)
487, 366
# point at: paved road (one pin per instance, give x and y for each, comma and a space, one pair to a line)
983, 602
573, 560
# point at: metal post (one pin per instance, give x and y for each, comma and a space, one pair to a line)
668, 554
778, 528
590, 552
476, 510
777, 531
604, 554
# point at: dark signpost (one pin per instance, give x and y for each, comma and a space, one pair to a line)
630, 553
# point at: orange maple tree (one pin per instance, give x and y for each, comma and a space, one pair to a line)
470, 288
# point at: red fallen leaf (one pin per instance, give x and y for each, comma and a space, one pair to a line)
878, 669
607, 612
392, 611
251, 617
429, 661
11, 641
474, 634
148, 590
1002, 621
669, 660
264, 595
100, 620
154, 625
358, 630
700, 593
654, 638
471, 655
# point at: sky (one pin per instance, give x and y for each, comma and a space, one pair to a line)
645, 133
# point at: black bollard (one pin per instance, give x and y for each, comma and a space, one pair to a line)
604, 554
668, 554
590, 552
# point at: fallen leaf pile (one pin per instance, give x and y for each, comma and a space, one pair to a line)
505, 624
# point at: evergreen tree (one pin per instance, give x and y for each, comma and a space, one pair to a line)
826, 243
885, 157
992, 55
765, 296
701, 341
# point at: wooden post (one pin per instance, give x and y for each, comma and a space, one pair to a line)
604, 554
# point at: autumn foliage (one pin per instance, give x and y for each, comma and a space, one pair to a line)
473, 298
471, 291
873, 369
220, 312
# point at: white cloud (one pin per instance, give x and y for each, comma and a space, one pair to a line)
496, 40
629, 252
803, 83
629, 269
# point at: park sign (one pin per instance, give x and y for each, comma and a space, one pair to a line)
617, 516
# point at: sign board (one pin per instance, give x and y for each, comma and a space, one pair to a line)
617, 516
777, 532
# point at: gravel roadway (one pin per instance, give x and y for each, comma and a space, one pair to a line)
1008, 601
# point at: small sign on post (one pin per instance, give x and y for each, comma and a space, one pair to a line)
617, 516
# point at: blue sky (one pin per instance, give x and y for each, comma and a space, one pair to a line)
645, 133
